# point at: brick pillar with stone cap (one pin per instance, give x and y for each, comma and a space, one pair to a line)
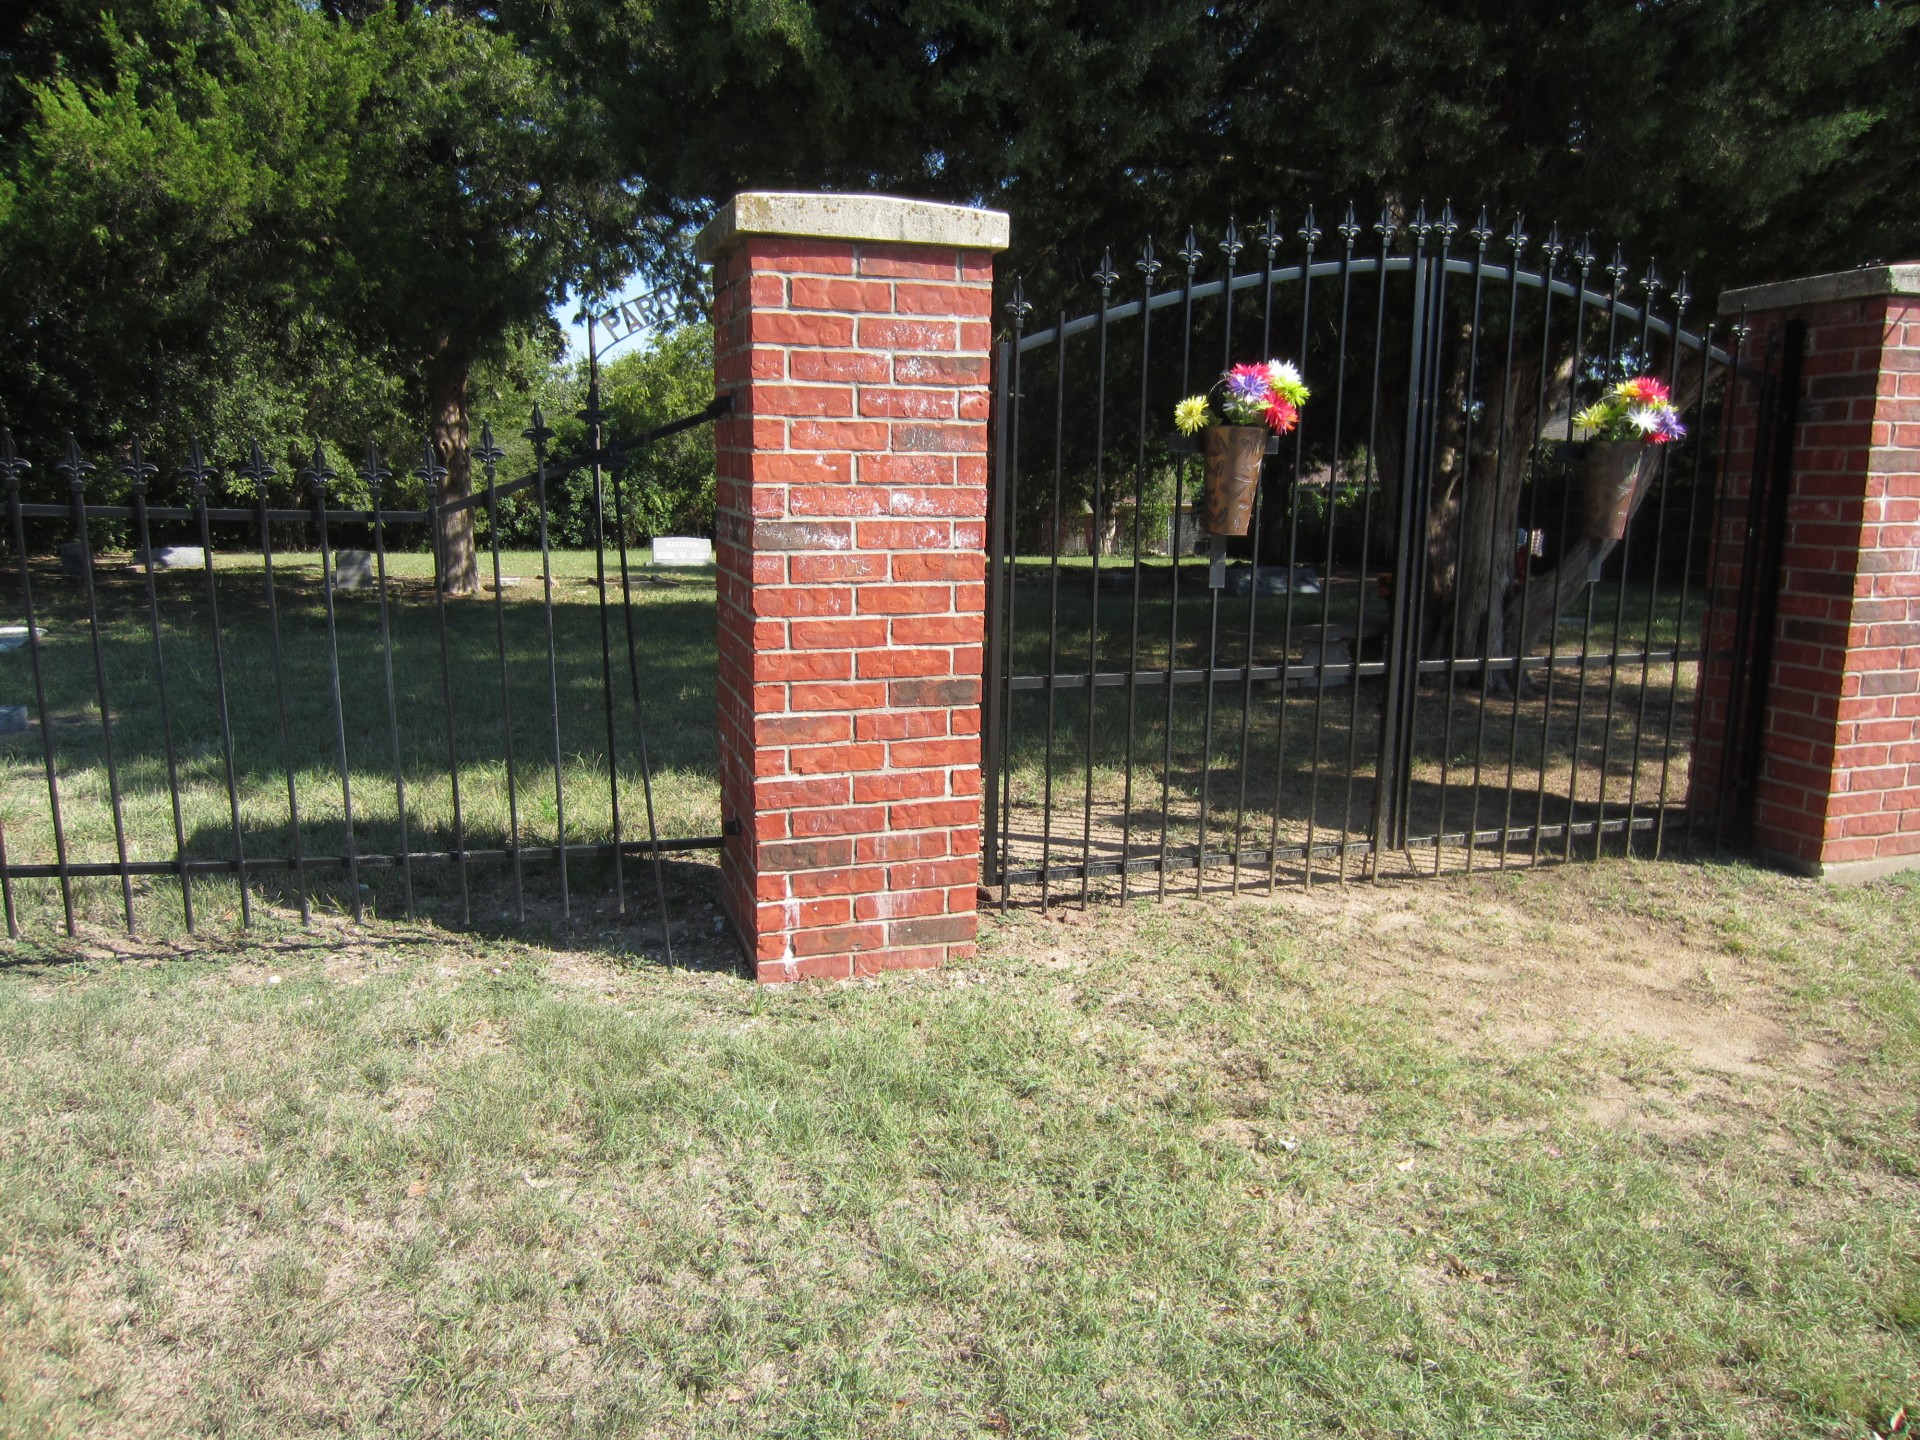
1838, 789
853, 333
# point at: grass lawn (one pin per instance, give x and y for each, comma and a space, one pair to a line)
674, 645
1612, 1150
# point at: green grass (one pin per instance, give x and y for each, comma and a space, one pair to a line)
674, 639
675, 648
1447, 1159
1309, 758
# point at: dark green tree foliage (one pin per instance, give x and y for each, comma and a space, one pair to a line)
1745, 139
270, 218
1740, 140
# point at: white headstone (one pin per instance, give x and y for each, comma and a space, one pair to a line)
172, 557
682, 550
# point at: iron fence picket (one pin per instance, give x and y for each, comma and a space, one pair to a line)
373, 475
138, 470
1417, 733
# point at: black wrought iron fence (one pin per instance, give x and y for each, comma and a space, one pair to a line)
1424, 647
292, 708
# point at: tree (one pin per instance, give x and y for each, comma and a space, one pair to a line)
1741, 140
378, 195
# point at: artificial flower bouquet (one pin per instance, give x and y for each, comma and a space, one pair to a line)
1614, 462
1639, 408
1269, 395
1233, 421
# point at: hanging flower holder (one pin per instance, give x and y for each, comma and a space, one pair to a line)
1232, 456
1622, 427
1232, 424
1609, 474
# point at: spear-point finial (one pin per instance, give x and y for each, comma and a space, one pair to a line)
1270, 236
1554, 247
1421, 227
1583, 255
11, 465
1617, 271
1448, 226
1192, 254
1018, 305
372, 472
592, 415
1148, 264
1231, 244
318, 473
1349, 228
1651, 282
1682, 297
1741, 330
1310, 232
430, 470
75, 466
257, 470
1386, 227
1517, 236
1482, 231
197, 472
486, 452
538, 433
137, 468
1105, 276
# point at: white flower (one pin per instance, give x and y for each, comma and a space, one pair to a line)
1644, 418
1283, 372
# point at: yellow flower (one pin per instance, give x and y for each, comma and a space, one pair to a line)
1596, 416
1190, 415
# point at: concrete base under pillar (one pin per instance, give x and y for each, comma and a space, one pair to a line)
1847, 872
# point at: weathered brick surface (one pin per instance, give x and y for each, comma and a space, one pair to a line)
1840, 773
851, 495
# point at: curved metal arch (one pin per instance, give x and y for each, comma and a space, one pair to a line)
1371, 265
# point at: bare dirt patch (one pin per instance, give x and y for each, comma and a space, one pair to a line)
1610, 962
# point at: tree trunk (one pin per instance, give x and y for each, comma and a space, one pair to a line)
1490, 521
1546, 594
447, 430
1551, 591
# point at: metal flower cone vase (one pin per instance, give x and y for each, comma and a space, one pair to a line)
1232, 454
1609, 473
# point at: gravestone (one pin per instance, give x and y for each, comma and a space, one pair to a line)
682, 550
1273, 580
12, 637
172, 557
73, 560
13, 718
352, 569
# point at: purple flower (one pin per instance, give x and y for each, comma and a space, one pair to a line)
1248, 384
1667, 426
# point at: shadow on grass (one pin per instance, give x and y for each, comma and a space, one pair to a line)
571, 728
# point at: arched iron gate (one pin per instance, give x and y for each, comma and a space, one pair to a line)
1416, 658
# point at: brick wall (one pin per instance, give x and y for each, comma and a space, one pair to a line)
851, 550
1839, 784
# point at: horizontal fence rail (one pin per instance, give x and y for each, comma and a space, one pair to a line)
283, 714
1423, 652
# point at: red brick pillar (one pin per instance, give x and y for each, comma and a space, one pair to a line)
853, 334
1838, 790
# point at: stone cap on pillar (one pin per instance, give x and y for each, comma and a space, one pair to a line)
887, 219
1866, 283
